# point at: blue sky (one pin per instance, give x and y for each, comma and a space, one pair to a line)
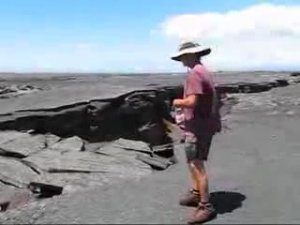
100, 35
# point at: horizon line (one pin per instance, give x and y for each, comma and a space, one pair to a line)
125, 73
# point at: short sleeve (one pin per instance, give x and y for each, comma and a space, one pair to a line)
194, 85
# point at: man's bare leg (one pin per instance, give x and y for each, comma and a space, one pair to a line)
192, 197
201, 178
195, 181
205, 210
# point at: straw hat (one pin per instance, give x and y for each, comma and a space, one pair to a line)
191, 48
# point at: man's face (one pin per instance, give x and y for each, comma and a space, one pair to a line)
187, 59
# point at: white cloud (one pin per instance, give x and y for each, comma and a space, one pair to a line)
264, 36
261, 36
88, 57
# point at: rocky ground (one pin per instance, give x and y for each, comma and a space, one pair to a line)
254, 159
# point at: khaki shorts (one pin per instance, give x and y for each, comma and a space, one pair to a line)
198, 148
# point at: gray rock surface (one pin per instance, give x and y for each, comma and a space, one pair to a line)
51, 139
244, 169
84, 88
13, 199
74, 170
22, 144
130, 145
69, 144
260, 126
7, 136
16, 90
16, 174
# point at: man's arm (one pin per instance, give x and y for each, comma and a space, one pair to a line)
188, 102
194, 88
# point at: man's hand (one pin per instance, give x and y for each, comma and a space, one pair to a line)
188, 102
177, 103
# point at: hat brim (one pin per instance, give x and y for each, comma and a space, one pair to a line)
198, 51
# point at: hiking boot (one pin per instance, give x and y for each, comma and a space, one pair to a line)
204, 213
190, 199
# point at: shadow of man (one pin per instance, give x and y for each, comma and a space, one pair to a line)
226, 202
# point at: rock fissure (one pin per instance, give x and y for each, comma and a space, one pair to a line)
9, 183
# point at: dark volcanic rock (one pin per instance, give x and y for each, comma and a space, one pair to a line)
44, 190
228, 88
244, 87
273, 84
55, 151
295, 74
254, 87
137, 115
249, 87
282, 82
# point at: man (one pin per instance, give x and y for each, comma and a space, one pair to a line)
201, 121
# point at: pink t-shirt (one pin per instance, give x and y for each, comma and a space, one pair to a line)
204, 118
